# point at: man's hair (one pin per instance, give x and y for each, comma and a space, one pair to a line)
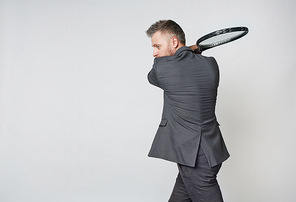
167, 27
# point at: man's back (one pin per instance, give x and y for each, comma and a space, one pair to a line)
190, 84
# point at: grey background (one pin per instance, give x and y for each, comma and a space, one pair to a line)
77, 115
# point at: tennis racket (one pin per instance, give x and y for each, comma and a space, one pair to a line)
220, 37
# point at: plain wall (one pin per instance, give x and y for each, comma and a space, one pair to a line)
77, 114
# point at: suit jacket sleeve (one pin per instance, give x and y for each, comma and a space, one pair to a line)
152, 76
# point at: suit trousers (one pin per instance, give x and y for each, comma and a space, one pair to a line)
197, 184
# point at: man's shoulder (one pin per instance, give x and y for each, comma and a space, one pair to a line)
184, 54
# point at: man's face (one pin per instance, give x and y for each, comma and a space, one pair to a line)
161, 45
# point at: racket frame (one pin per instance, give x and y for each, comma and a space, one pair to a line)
201, 48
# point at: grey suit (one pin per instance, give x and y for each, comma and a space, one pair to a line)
190, 83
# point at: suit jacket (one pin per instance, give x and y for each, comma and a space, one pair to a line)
190, 83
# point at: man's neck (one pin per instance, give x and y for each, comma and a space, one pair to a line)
179, 46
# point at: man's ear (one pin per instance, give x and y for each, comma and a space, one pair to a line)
175, 42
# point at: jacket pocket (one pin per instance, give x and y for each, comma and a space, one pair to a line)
163, 123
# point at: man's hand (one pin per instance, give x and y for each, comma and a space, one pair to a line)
194, 48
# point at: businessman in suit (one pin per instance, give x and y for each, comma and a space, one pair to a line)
188, 133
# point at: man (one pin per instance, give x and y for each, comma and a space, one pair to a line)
188, 133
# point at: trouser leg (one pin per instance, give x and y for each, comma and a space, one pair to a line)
179, 193
199, 182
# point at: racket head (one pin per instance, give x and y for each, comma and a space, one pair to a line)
220, 37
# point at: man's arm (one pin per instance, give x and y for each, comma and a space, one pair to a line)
152, 78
